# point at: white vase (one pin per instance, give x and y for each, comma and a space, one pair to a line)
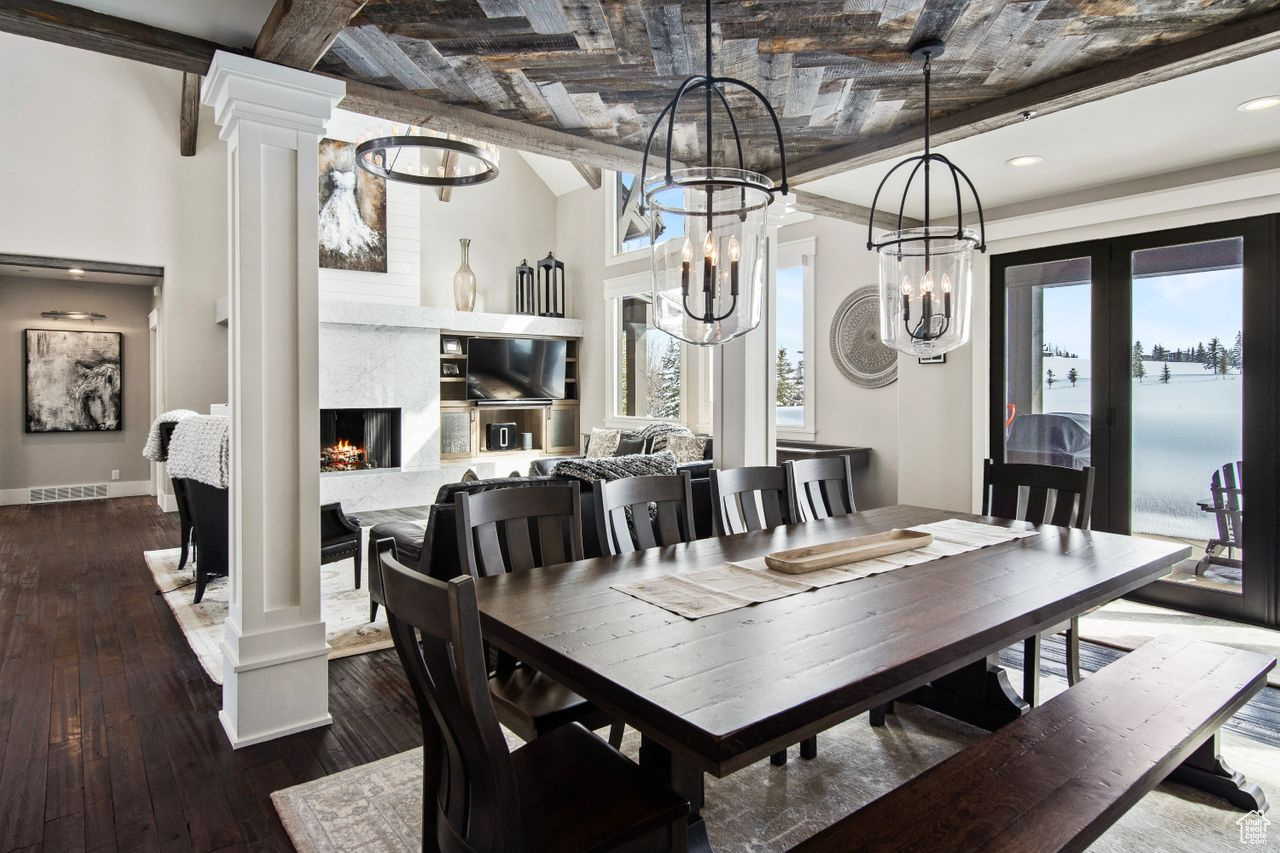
464, 281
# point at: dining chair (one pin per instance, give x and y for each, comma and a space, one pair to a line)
1041, 494
339, 537
644, 512
754, 498
510, 530
476, 794
821, 488
751, 498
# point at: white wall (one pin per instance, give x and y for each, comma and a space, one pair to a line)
91, 171
511, 218
846, 413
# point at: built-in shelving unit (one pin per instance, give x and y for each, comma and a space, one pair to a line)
552, 427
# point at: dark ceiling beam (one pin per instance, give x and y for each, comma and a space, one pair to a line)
591, 174
189, 114
71, 25
1232, 42
298, 33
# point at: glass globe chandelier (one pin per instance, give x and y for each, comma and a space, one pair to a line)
926, 273
707, 225
463, 163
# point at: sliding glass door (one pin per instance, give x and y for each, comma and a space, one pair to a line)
1130, 355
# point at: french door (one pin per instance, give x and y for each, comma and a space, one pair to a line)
1155, 359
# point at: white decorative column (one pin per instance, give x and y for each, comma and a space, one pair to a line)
275, 657
744, 420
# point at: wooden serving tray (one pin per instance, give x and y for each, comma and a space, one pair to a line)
797, 561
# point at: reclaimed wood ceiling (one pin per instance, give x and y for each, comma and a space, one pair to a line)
835, 70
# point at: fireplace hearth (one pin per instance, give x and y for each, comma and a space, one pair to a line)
359, 439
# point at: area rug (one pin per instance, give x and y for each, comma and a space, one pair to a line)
377, 807
1128, 624
345, 610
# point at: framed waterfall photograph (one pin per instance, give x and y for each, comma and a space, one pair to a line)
73, 381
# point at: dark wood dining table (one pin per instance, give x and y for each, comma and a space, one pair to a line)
716, 694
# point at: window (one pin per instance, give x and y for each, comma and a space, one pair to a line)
793, 339
629, 231
646, 372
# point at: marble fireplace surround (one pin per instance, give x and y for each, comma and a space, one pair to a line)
378, 356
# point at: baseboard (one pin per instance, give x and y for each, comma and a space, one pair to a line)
119, 489
167, 502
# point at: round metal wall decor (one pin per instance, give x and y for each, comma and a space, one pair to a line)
855, 341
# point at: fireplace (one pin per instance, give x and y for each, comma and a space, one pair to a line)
359, 439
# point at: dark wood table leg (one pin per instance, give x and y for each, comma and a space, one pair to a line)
1205, 770
685, 780
979, 694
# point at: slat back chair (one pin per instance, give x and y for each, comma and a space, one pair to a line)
1226, 502
469, 799
1070, 488
747, 499
1071, 491
509, 530
821, 488
622, 512
477, 795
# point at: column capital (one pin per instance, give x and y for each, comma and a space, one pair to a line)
240, 87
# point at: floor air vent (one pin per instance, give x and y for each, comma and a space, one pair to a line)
54, 494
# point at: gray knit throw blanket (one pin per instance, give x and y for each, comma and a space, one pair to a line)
199, 450
615, 467
152, 449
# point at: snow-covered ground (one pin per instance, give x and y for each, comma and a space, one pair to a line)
1182, 433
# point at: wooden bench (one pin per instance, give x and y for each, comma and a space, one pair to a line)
1059, 776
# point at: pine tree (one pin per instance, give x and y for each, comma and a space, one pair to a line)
1165, 374
1224, 362
1136, 368
1214, 350
665, 397
1237, 352
798, 379
785, 386
1200, 353
1072, 376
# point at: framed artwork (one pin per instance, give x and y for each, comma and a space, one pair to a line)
74, 381
450, 368
933, 359
353, 212
451, 346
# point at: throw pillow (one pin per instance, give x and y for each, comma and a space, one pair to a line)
656, 435
603, 443
686, 448
630, 444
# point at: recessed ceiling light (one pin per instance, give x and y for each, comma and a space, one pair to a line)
75, 272
1025, 160
1264, 103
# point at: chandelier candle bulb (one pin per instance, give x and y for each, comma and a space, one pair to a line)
684, 267
734, 253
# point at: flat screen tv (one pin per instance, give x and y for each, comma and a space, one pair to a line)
510, 369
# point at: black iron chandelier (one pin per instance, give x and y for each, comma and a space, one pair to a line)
718, 208
926, 272
463, 164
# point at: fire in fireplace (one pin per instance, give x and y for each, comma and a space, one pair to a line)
359, 439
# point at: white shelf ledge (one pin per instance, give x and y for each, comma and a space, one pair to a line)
446, 319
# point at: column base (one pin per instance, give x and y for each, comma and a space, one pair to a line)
274, 693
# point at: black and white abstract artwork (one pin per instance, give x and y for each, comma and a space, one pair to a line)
74, 381
353, 212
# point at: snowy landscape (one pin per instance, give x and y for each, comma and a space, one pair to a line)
1183, 430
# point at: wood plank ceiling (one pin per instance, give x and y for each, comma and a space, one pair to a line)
835, 70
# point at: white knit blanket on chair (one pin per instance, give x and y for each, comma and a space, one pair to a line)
199, 450
152, 449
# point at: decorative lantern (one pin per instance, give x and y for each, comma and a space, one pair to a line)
926, 273
526, 294
707, 224
551, 286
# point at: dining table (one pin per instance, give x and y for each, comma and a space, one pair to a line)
715, 694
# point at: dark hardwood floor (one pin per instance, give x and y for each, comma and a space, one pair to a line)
109, 738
